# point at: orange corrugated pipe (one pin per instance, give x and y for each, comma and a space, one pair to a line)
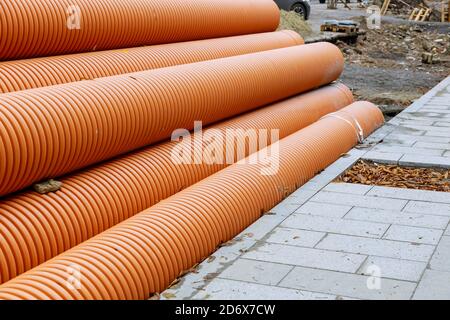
145, 253
50, 131
41, 72
35, 228
50, 27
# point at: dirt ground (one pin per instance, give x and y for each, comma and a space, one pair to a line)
385, 65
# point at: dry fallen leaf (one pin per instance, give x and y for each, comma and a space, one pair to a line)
168, 295
369, 173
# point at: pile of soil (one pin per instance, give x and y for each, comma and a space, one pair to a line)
385, 66
290, 20
403, 8
370, 173
400, 47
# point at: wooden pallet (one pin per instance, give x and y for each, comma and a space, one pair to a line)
336, 28
420, 14
445, 15
345, 4
385, 6
332, 4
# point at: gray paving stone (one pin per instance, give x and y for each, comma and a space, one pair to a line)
432, 109
262, 226
223, 289
359, 201
414, 122
400, 142
432, 145
306, 257
383, 157
335, 225
301, 196
435, 108
398, 218
442, 124
447, 231
429, 128
351, 285
341, 164
441, 257
324, 178
410, 131
394, 268
426, 139
417, 117
256, 271
433, 114
295, 237
436, 134
441, 98
440, 209
437, 104
314, 186
324, 209
377, 136
435, 285
410, 194
284, 209
192, 282
298, 197
293, 200
374, 137
424, 161
409, 150
413, 234
377, 247
351, 188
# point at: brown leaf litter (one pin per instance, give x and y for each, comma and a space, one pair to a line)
370, 173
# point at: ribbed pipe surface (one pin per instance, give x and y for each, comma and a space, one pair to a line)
143, 254
35, 227
41, 72
49, 27
50, 131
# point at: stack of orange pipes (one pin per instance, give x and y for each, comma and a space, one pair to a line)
128, 213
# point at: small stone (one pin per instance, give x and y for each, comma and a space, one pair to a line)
47, 186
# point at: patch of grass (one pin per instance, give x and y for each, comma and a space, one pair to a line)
291, 21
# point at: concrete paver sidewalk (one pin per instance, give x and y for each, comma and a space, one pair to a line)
348, 241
